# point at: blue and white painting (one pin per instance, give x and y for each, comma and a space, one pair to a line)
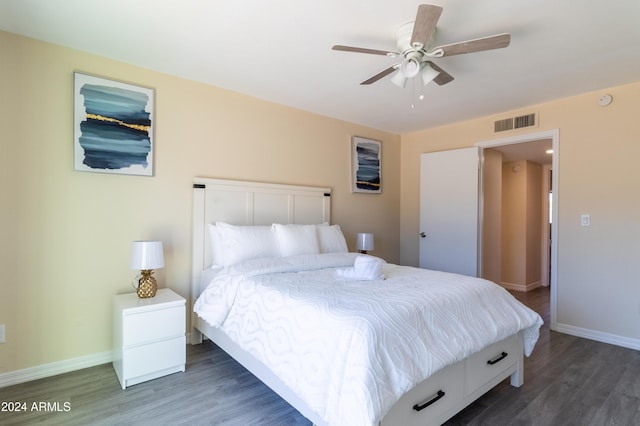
113, 126
366, 165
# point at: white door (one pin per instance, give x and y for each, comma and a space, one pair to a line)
449, 194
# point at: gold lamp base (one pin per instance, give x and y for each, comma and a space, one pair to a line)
147, 286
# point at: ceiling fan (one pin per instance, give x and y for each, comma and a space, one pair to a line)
413, 41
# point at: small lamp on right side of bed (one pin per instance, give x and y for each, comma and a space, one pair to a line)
364, 242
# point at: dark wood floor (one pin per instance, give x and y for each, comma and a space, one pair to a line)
568, 381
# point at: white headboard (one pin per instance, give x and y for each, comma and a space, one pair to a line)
249, 203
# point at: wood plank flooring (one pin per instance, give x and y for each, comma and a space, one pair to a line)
568, 381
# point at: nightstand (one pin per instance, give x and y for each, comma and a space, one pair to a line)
148, 336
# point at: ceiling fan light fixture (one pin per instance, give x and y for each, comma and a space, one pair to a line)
428, 73
399, 79
410, 67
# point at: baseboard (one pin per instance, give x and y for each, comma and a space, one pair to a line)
55, 368
521, 287
599, 336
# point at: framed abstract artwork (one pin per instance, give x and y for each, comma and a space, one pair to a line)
366, 160
113, 126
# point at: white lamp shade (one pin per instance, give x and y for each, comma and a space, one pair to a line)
428, 74
147, 255
399, 79
364, 241
410, 67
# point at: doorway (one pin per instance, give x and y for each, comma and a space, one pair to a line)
514, 146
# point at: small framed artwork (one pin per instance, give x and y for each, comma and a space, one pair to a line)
366, 160
113, 126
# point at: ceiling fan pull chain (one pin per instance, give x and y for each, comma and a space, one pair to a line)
413, 93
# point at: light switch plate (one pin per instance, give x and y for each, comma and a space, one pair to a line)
585, 220
2, 336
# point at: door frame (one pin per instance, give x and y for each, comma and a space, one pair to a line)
554, 135
546, 230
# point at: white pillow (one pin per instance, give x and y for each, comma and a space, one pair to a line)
331, 239
240, 243
217, 256
296, 239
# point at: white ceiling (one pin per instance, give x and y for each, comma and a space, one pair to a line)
280, 50
535, 151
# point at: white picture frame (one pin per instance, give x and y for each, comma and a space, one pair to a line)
113, 126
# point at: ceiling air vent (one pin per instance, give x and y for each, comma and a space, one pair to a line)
503, 125
528, 120
511, 123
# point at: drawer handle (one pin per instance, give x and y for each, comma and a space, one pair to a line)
500, 357
436, 397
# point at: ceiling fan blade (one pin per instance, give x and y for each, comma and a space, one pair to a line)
477, 45
442, 78
425, 25
381, 74
364, 50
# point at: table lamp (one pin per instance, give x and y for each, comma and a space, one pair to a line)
364, 242
147, 256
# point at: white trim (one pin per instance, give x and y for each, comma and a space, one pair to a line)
55, 368
599, 336
546, 234
521, 287
554, 135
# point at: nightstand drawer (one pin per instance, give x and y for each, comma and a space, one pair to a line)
141, 360
153, 325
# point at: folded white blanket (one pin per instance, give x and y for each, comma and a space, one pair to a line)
365, 268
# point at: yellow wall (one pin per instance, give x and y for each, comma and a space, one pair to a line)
598, 287
533, 276
66, 235
514, 222
521, 225
492, 215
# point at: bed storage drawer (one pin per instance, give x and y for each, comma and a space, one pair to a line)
431, 399
491, 361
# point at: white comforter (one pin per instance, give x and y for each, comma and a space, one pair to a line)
350, 349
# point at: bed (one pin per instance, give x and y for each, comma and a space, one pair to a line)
344, 338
